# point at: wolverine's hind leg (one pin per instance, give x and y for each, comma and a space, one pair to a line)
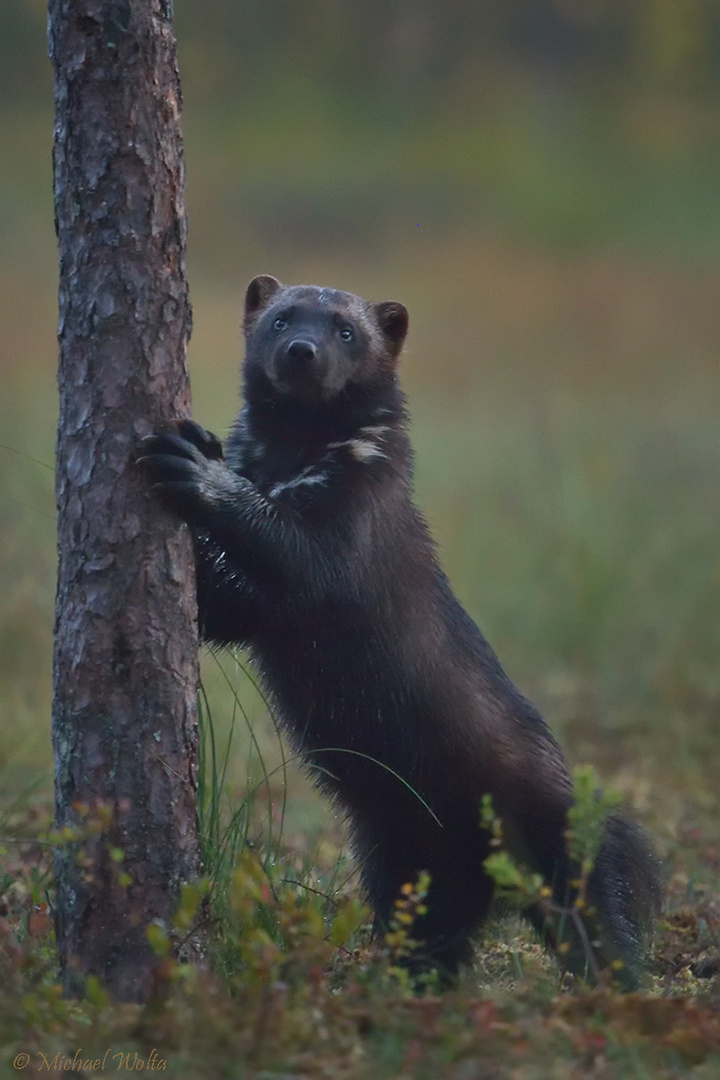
457, 902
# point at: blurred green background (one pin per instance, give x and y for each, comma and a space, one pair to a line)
538, 182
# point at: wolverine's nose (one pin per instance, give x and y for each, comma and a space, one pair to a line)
301, 351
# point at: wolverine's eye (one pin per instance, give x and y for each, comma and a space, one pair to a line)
280, 324
346, 334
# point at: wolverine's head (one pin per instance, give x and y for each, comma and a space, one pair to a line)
311, 343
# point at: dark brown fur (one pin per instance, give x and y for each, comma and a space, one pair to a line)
311, 553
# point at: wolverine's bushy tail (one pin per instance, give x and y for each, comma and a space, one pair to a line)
601, 930
625, 890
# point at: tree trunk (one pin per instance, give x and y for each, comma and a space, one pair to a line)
125, 664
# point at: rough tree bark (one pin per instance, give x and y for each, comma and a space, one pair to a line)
125, 664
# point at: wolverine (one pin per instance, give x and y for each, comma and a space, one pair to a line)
311, 554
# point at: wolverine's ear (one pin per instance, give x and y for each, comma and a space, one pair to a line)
259, 293
393, 321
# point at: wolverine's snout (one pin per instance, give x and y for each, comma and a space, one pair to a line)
302, 351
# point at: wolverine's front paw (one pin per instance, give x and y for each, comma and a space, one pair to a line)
182, 464
207, 443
